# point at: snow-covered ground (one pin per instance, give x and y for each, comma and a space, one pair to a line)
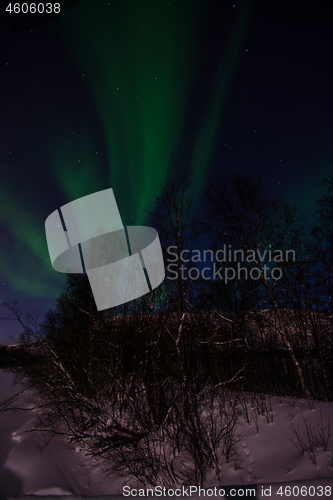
265, 455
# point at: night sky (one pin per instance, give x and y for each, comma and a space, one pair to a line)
127, 93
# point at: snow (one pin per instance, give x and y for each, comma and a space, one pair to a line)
265, 454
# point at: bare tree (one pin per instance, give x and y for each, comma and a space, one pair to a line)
176, 226
323, 237
243, 216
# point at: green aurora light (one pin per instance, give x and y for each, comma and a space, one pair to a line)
27, 265
141, 62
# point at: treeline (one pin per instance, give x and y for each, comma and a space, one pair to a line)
155, 387
269, 273
264, 254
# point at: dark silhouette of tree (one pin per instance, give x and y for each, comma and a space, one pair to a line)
242, 215
323, 236
176, 226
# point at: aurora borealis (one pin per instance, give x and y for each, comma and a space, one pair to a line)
141, 74
125, 94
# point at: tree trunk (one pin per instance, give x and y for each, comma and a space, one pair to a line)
283, 331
